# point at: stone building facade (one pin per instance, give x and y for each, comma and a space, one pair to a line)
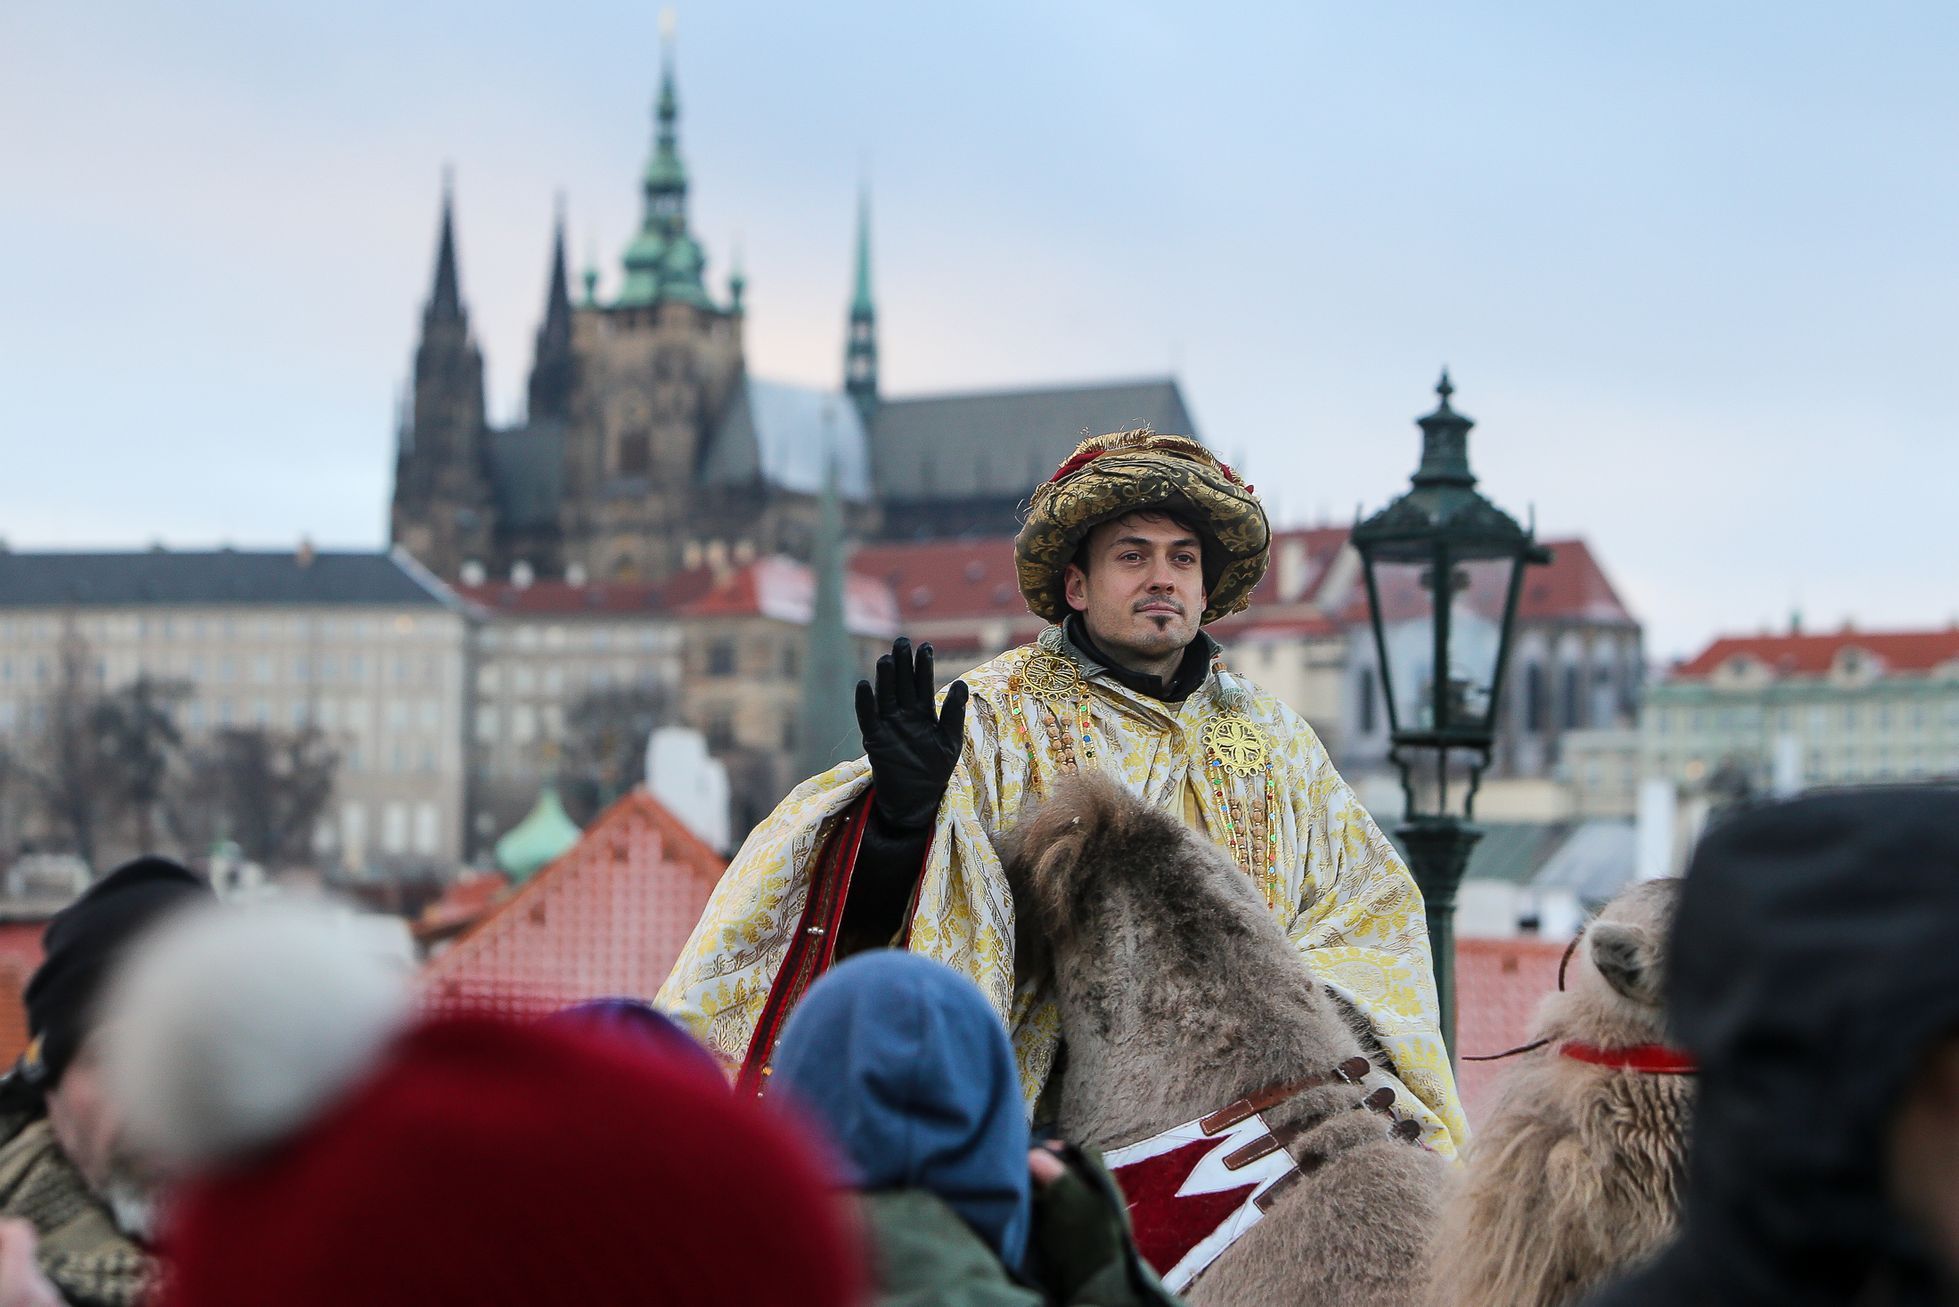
368, 648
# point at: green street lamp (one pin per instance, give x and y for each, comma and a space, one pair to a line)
1444, 568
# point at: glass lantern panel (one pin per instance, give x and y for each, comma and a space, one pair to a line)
1475, 639
1407, 626
1477, 592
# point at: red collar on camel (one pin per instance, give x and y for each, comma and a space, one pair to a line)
1653, 1059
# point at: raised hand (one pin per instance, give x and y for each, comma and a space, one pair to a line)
911, 745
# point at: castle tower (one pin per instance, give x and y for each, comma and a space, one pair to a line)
860, 349
442, 511
654, 372
553, 369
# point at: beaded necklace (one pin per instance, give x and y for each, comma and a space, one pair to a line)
1236, 748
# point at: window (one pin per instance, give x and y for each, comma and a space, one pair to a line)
1534, 713
523, 723
356, 668
486, 724
298, 716
261, 670
261, 712
1574, 703
487, 677
720, 729
635, 453
394, 828
1366, 701
353, 830
428, 829
302, 670
791, 661
554, 680
721, 658
397, 715
523, 680
431, 715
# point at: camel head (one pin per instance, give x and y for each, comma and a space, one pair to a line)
1097, 867
1616, 980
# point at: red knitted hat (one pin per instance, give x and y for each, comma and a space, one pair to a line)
484, 1163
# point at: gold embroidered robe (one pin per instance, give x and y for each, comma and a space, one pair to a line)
1338, 887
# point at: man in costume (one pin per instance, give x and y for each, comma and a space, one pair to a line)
1137, 541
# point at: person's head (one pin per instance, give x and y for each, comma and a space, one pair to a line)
644, 1027
84, 944
1812, 976
335, 1146
907, 1068
1144, 475
1138, 583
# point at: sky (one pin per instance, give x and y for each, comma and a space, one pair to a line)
1693, 267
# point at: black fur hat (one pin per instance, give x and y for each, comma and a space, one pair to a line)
83, 942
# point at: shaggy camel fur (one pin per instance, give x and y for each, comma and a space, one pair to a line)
1577, 1174
1179, 994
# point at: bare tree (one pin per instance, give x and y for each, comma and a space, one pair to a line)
263, 789
66, 766
604, 752
139, 741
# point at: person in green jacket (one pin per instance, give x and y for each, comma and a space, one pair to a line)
902, 1064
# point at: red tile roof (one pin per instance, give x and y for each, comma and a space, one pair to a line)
20, 954
1572, 587
607, 919
465, 902
1499, 985
785, 590
1814, 655
562, 598
941, 580
973, 578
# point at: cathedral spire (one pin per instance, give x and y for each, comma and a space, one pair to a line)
828, 733
445, 300
551, 370
860, 353
664, 261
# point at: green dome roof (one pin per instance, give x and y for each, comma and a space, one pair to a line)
647, 250
538, 839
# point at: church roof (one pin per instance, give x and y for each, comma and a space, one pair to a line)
1003, 442
780, 434
218, 576
527, 473
605, 919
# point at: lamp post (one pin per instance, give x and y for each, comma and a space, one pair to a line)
1444, 568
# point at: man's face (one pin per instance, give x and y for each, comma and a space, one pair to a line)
1143, 593
90, 1131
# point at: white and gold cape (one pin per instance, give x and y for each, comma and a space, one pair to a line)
1337, 885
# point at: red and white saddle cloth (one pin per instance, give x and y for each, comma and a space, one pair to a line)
1194, 1192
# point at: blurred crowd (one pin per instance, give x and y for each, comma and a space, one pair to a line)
227, 1105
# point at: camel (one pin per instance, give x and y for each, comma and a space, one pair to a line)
1577, 1174
1179, 995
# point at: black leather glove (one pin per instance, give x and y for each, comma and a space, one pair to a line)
911, 745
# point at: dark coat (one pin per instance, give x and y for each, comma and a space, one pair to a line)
1814, 962
1082, 1251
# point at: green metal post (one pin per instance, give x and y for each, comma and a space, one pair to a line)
1438, 854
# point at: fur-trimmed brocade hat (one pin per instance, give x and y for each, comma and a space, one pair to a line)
1122, 472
